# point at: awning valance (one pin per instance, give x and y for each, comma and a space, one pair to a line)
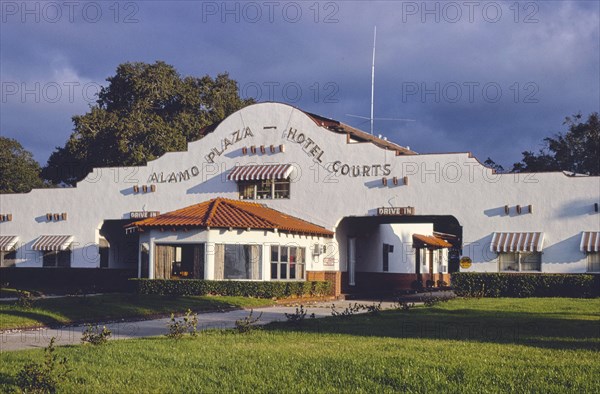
53, 242
260, 172
430, 241
8, 242
506, 242
590, 242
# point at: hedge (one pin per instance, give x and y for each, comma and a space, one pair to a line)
67, 280
468, 284
186, 287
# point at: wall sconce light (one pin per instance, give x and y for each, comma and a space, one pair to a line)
395, 181
506, 210
281, 148
262, 149
530, 208
253, 149
145, 189
244, 151
519, 209
63, 216
405, 181
152, 188
136, 189
596, 207
56, 217
384, 181
272, 148
48, 216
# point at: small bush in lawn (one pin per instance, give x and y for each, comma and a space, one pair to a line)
442, 283
43, 377
349, 311
404, 306
25, 299
299, 316
94, 335
373, 309
430, 300
429, 283
248, 323
178, 327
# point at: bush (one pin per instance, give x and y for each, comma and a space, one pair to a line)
258, 289
468, 284
94, 335
248, 323
43, 377
189, 324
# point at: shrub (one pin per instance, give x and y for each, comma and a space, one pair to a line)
299, 316
467, 284
43, 377
429, 283
94, 335
441, 283
258, 289
25, 299
248, 323
177, 328
417, 285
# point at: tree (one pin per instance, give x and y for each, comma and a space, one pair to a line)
577, 151
145, 111
493, 165
19, 172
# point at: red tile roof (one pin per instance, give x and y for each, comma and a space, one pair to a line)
430, 240
226, 213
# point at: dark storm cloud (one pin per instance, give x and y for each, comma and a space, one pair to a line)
434, 65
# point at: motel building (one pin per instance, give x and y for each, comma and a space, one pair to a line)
273, 193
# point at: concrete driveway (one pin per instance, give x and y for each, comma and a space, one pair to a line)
39, 338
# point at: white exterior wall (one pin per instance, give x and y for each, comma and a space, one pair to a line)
237, 236
439, 184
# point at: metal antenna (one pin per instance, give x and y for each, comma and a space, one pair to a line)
373, 77
372, 117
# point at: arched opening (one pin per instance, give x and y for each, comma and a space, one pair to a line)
384, 254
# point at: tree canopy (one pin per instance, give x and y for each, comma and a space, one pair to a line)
19, 172
578, 150
145, 111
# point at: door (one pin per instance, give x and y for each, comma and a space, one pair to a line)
351, 261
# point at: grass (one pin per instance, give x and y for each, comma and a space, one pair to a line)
68, 310
479, 346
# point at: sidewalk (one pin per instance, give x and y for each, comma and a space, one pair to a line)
39, 338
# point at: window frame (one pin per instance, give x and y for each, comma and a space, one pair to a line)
288, 263
519, 260
251, 190
57, 263
589, 257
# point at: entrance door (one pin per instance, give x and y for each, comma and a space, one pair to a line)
351, 261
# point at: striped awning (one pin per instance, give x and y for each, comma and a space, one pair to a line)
517, 242
430, 241
590, 242
8, 242
53, 242
260, 172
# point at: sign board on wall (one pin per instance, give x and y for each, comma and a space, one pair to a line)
143, 214
465, 262
329, 261
396, 211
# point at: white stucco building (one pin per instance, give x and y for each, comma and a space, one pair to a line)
386, 215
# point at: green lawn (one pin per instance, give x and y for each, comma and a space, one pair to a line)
66, 310
477, 346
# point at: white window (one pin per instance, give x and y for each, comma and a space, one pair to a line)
520, 261
593, 262
266, 189
287, 262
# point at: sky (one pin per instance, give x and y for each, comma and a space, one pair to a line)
489, 77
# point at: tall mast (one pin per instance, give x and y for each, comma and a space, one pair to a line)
373, 76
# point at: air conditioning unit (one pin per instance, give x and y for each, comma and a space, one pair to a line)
319, 249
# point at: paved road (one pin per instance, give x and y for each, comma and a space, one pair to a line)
39, 338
